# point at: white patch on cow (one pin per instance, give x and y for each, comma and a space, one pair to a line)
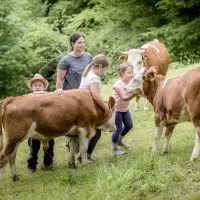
13, 170
156, 40
146, 106
154, 48
158, 132
165, 83
2, 169
109, 126
135, 59
83, 142
136, 82
145, 46
73, 131
196, 150
34, 134
150, 45
166, 145
184, 117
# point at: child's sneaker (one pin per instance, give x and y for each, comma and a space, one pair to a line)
117, 152
122, 144
90, 160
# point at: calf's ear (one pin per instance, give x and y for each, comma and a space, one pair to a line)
123, 58
111, 102
154, 69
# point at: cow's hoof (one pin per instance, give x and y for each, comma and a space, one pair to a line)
193, 159
164, 153
15, 178
136, 109
145, 108
155, 152
72, 166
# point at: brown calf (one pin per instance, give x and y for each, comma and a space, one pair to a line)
47, 116
174, 100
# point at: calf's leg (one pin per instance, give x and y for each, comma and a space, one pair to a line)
158, 133
83, 142
137, 106
73, 142
146, 106
13, 167
6, 154
196, 150
168, 133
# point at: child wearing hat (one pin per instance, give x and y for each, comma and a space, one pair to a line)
38, 84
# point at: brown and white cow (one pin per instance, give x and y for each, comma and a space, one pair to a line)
174, 101
153, 53
47, 116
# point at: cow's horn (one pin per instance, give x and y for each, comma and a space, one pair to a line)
124, 52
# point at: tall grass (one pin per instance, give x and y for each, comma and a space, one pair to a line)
136, 175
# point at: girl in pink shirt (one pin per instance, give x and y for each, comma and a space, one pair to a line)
123, 120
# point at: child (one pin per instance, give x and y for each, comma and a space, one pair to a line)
91, 81
121, 107
38, 84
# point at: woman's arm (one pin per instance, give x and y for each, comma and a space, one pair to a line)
94, 88
127, 97
59, 80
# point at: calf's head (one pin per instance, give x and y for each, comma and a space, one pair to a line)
109, 126
143, 75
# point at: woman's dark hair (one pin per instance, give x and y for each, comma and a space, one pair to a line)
75, 37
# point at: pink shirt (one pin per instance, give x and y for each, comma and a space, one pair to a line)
120, 105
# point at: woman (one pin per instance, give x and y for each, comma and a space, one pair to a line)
72, 65
69, 74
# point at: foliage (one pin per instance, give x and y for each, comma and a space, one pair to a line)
27, 47
34, 33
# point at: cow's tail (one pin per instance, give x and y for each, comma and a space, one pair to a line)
3, 105
1, 132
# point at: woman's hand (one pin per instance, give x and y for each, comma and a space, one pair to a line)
59, 91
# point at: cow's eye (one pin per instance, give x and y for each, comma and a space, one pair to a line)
140, 62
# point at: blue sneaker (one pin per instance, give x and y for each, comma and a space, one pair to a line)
122, 144
117, 152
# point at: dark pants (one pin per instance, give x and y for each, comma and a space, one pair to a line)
34, 146
92, 142
120, 119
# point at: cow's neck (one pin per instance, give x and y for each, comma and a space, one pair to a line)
150, 87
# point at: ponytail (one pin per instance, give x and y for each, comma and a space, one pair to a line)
86, 70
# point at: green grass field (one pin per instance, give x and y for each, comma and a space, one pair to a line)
136, 175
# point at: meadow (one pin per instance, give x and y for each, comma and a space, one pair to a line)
136, 175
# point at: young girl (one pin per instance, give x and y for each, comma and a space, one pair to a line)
91, 81
122, 116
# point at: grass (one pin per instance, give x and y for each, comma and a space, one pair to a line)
136, 175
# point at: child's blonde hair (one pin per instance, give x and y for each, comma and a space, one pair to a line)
99, 60
123, 67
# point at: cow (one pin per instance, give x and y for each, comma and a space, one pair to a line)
46, 116
174, 100
153, 53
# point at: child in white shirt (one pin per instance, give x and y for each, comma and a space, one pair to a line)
91, 80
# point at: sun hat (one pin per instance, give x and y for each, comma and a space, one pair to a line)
40, 78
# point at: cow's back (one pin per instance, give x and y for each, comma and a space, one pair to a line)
53, 113
157, 55
177, 94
